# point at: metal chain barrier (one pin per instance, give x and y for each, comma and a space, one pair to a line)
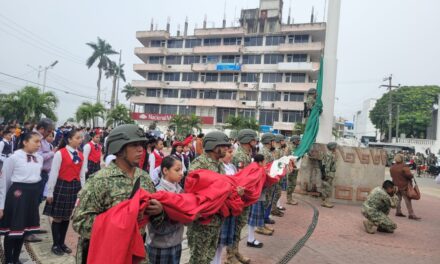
297, 247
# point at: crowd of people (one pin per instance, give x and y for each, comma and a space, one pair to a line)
425, 164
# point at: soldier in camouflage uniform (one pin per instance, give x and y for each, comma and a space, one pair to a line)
114, 184
377, 207
203, 238
292, 176
310, 102
242, 158
278, 153
329, 163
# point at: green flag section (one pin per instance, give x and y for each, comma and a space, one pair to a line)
312, 125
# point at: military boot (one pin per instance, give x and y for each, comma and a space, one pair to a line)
327, 204
277, 212
230, 257
263, 231
269, 228
291, 201
239, 256
369, 227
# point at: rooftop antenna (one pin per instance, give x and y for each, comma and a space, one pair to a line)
152, 24
168, 24
204, 21
224, 15
185, 30
290, 11
312, 15
178, 30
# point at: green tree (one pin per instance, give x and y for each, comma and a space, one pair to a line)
87, 113
28, 104
250, 123
416, 106
101, 51
299, 128
118, 116
130, 91
114, 71
193, 122
178, 124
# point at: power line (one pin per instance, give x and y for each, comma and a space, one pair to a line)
50, 87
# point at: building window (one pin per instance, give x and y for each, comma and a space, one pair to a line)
246, 113
253, 41
187, 110
274, 40
174, 60
191, 59
249, 77
273, 58
227, 95
210, 59
190, 77
296, 57
295, 77
175, 43
169, 109
172, 76
226, 77
170, 93
231, 58
157, 43
267, 117
232, 41
208, 94
294, 97
292, 116
298, 38
152, 108
156, 59
188, 93
191, 43
139, 108
270, 96
212, 42
251, 59
224, 113
211, 77
154, 76
248, 96
272, 77
154, 92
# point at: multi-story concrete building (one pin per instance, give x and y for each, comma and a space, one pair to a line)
261, 69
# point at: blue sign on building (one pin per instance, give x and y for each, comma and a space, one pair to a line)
228, 67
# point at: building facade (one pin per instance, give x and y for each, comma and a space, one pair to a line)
262, 69
363, 127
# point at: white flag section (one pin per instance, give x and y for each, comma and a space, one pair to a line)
278, 167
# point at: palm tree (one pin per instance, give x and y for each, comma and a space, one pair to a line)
118, 116
193, 122
28, 104
87, 113
250, 123
101, 51
130, 91
115, 71
177, 123
234, 122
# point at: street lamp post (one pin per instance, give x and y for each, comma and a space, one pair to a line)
45, 73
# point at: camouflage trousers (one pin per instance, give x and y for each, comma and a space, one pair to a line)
326, 189
291, 182
241, 223
271, 196
379, 219
278, 191
203, 240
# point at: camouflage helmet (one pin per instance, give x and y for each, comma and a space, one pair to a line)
279, 138
214, 139
311, 91
123, 135
267, 138
295, 138
332, 145
246, 135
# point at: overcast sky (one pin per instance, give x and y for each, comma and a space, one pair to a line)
376, 38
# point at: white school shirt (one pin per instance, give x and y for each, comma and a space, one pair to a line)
56, 165
86, 153
154, 173
109, 159
230, 169
16, 168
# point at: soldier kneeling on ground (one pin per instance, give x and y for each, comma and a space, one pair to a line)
377, 207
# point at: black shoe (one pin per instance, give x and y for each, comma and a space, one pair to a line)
383, 230
400, 215
255, 244
269, 221
281, 208
57, 250
66, 249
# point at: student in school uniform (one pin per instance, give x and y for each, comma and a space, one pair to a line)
66, 178
6, 148
155, 159
19, 193
165, 241
92, 154
177, 152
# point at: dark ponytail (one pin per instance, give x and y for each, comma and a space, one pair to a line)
26, 137
66, 136
167, 162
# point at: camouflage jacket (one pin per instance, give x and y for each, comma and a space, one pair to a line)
103, 190
241, 158
380, 200
310, 102
205, 162
268, 157
329, 162
278, 153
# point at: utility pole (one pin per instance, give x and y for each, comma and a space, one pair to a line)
397, 123
45, 73
119, 76
390, 104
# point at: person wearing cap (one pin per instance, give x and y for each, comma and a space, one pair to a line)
293, 175
329, 165
203, 238
114, 184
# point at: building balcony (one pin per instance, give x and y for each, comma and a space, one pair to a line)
300, 28
217, 49
229, 31
301, 47
145, 36
294, 87
203, 67
293, 106
142, 84
142, 69
259, 49
298, 66
259, 68
214, 85
283, 125
144, 53
185, 101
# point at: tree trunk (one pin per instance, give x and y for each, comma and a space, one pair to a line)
113, 99
98, 84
